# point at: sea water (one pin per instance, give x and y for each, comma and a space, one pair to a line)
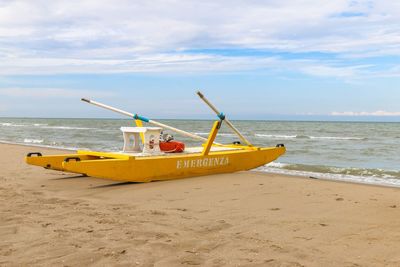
365, 152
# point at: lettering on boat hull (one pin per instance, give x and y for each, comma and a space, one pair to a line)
202, 163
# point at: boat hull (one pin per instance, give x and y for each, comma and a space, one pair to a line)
122, 167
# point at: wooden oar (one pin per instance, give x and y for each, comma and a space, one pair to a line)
137, 117
223, 117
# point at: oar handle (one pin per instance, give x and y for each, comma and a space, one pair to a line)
138, 117
120, 111
208, 102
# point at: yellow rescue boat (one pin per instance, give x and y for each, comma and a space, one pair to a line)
142, 161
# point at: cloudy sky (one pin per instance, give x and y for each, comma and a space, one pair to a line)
256, 59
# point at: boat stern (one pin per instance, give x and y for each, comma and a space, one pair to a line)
56, 162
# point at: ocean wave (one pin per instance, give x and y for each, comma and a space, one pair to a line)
10, 124
220, 134
337, 138
280, 136
355, 175
33, 141
276, 136
277, 165
227, 134
200, 133
46, 126
68, 128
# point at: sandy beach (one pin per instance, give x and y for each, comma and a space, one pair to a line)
243, 219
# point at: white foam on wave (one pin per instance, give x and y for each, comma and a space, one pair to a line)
277, 164
33, 141
200, 133
336, 138
282, 136
278, 168
226, 134
220, 134
45, 126
276, 136
67, 128
9, 124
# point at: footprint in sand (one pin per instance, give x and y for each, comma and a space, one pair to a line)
219, 262
276, 247
157, 212
218, 226
44, 225
250, 250
192, 260
180, 209
204, 211
275, 209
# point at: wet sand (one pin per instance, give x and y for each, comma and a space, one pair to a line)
49, 218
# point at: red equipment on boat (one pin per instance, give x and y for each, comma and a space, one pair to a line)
172, 147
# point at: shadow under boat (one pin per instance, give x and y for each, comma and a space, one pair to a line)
71, 177
114, 185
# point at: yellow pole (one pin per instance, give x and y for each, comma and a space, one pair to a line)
222, 117
211, 138
139, 123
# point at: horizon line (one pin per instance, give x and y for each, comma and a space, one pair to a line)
345, 119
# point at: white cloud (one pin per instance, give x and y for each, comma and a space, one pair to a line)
330, 71
135, 36
180, 63
51, 93
364, 113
